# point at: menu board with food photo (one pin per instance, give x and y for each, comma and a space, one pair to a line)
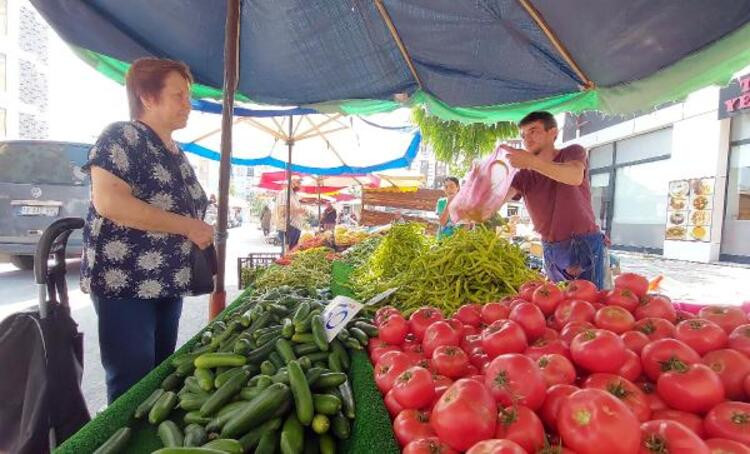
689, 209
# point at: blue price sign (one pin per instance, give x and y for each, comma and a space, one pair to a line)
340, 311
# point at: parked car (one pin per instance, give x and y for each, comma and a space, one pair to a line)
40, 181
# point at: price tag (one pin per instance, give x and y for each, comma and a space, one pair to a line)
340, 311
381, 296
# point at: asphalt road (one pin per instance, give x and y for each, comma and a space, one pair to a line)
18, 292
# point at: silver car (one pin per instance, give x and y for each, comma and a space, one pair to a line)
40, 181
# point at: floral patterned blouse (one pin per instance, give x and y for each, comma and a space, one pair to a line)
122, 262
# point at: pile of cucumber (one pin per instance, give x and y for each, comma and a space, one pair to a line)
263, 380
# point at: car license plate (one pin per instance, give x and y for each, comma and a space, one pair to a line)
39, 211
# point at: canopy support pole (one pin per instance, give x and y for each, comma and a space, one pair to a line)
290, 144
392, 28
231, 59
542, 24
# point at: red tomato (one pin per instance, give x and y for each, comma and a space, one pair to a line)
747, 385
728, 317
726, 446
552, 402
701, 334
614, 318
469, 314
494, 311
385, 312
470, 342
550, 334
526, 291
729, 420
635, 340
598, 351
656, 356
392, 405
503, 336
393, 329
556, 369
397, 356
431, 445
376, 342
521, 425
470, 330
479, 358
633, 282
421, 319
450, 361
732, 368
739, 339
581, 289
573, 311
694, 388
387, 370
457, 325
622, 297
437, 334
665, 436
464, 415
414, 388
632, 368
496, 447
591, 419
684, 315
412, 425
426, 363
572, 329
415, 352
689, 420
623, 389
514, 379
378, 353
531, 319
655, 328
547, 296
656, 306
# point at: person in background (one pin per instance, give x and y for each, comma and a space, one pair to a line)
446, 227
554, 185
146, 215
265, 220
329, 217
296, 219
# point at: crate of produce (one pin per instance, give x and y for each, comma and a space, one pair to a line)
248, 266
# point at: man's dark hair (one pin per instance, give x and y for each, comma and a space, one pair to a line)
453, 179
547, 119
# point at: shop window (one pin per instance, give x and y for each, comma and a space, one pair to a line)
601, 156
600, 198
640, 205
738, 193
657, 144
741, 127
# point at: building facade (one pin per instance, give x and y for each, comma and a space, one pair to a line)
24, 72
676, 181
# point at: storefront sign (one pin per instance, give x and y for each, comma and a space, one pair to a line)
734, 99
689, 210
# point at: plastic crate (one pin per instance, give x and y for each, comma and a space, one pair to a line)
254, 260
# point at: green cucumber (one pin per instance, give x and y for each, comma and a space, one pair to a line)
267, 443
339, 349
192, 386
334, 362
169, 434
319, 333
347, 398
340, 427
267, 368
303, 338
305, 363
276, 359
360, 335
368, 328
303, 309
326, 404
183, 450
214, 360
250, 393
226, 334
320, 424
305, 349
327, 444
353, 343
292, 435
228, 445
251, 439
279, 310
262, 352
178, 360
269, 337
191, 402
195, 435
205, 378
242, 346
145, 406
254, 381
329, 380
194, 417
317, 356
287, 328
282, 376
225, 393
284, 349
116, 443
186, 368
223, 377
301, 391
256, 411
162, 407
171, 382
223, 416
313, 374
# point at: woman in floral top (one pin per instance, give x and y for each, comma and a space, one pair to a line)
145, 215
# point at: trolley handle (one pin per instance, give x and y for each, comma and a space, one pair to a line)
58, 230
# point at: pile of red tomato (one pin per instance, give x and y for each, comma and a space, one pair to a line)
567, 370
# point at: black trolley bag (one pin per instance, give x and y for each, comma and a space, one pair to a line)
41, 352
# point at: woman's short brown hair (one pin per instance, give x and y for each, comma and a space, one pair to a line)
145, 78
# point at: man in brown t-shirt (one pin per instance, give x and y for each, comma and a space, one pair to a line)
555, 187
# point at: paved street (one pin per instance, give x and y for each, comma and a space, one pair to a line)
18, 291
684, 281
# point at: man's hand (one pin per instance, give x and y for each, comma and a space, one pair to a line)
200, 233
520, 159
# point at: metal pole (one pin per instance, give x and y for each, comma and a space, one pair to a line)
317, 180
290, 144
231, 63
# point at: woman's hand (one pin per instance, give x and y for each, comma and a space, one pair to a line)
200, 233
